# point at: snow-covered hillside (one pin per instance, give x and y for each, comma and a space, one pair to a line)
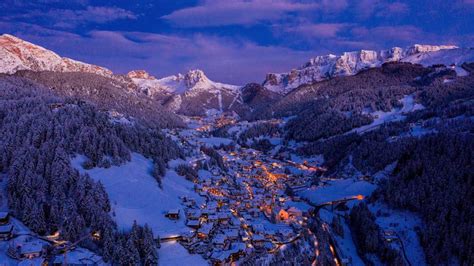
453, 58
17, 54
135, 195
350, 63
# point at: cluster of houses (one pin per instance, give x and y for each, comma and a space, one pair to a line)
247, 211
28, 248
19, 246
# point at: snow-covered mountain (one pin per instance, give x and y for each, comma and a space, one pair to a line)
17, 54
194, 80
190, 93
350, 63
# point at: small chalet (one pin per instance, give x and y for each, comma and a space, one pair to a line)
6, 232
279, 214
258, 240
232, 234
285, 233
237, 250
193, 224
205, 230
295, 212
4, 218
223, 218
31, 250
173, 214
194, 214
219, 241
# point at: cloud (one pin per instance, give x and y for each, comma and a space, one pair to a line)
365, 9
316, 30
246, 12
72, 18
392, 33
223, 59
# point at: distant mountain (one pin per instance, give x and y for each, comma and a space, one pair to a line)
192, 93
177, 84
107, 93
350, 63
17, 54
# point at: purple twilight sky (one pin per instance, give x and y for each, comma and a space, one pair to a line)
233, 41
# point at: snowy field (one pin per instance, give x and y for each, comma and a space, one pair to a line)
403, 223
381, 117
346, 244
447, 57
173, 254
337, 190
135, 195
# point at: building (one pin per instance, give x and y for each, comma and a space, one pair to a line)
6, 232
279, 214
173, 214
31, 250
205, 230
294, 212
219, 241
4, 218
258, 240
193, 224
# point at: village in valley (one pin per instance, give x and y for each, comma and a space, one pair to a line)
252, 208
229, 203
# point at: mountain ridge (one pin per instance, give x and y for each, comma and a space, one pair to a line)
18, 54
350, 63
193, 93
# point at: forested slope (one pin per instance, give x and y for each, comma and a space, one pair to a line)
39, 133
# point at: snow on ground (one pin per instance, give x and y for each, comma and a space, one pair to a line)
173, 254
5, 260
215, 141
345, 243
403, 223
347, 246
80, 256
381, 117
448, 57
337, 190
135, 195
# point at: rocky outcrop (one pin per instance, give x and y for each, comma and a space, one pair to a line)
17, 54
349, 63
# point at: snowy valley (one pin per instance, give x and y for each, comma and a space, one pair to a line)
340, 162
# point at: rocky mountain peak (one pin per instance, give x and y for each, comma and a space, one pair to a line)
423, 48
140, 74
348, 63
17, 54
194, 77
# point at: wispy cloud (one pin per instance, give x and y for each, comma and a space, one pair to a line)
222, 58
71, 18
245, 12
314, 30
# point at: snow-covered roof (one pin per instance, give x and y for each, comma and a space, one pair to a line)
6, 228
3, 215
31, 247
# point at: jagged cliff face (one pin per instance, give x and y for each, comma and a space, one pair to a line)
192, 93
17, 54
349, 63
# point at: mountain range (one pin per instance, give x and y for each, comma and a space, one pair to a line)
193, 93
394, 127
